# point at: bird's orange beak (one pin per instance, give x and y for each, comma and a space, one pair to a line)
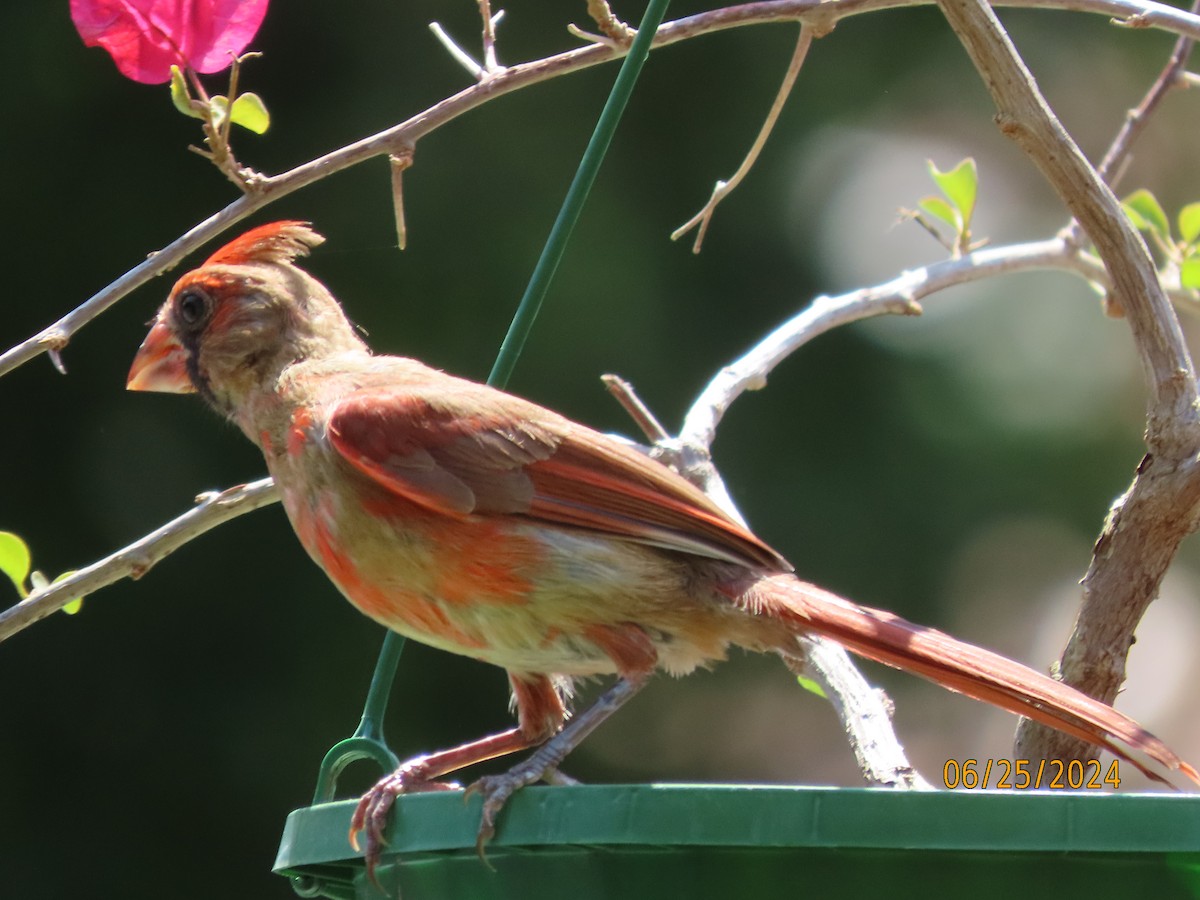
160, 364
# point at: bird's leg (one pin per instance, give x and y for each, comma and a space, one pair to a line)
496, 789
541, 714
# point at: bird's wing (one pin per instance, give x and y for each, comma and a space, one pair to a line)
462, 449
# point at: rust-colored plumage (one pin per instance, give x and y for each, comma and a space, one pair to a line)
489, 526
275, 242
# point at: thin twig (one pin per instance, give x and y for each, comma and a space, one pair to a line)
625, 394
587, 36
461, 56
490, 66
701, 220
1138, 118
227, 124
220, 150
1116, 158
397, 163
136, 559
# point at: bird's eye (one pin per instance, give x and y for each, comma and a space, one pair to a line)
192, 307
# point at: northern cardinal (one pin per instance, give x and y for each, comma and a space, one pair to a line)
489, 526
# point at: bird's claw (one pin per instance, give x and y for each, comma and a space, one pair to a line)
496, 790
370, 817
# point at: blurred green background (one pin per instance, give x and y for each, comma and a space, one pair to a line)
954, 468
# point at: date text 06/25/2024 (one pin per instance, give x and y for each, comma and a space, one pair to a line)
1030, 775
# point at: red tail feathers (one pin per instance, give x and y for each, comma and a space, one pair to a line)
967, 669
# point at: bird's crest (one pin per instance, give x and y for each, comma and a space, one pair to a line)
275, 242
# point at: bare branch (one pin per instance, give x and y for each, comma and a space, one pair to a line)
263, 190
135, 560
1138, 118
1145, 526
900, 295
701, 220
865, 713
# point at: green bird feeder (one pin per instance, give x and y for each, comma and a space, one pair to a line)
627, 842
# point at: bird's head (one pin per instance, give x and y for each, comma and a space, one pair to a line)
231, 326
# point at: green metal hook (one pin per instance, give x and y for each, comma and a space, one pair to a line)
367, 742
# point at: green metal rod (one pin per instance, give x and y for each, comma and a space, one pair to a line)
371, 724
585, 177
368, 740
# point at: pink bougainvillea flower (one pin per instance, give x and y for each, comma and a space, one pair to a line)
146, 37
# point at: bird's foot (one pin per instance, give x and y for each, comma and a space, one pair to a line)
370, 817
496, 791
544, 762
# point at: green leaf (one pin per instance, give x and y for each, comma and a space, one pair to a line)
811, 686
1189, 273
940, 209
14, 560
1189, 223
180, 96
250, 112
960, 185
219, 105
1146, 213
